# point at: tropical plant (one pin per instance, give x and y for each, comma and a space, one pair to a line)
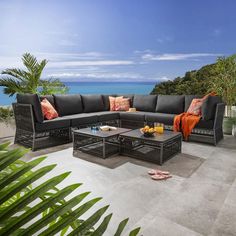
22, 202
6, 114
224, 82
29, 81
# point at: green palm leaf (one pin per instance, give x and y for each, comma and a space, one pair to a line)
54, 215
25, 203
87, 224
103, 226
12, 190
14, 224
32, 195
121, 227
19, 172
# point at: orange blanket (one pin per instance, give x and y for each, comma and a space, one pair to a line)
188, 120
187, 123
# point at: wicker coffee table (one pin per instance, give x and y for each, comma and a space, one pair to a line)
98, 143
158, 148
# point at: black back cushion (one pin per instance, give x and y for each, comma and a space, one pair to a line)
34, 100
188, 100
171, 104
93, 103
68, 104
209, 107
145, 102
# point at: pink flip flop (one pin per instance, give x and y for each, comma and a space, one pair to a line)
161, 177
158, 172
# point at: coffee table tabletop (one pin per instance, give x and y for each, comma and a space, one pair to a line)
166, 136
101, 134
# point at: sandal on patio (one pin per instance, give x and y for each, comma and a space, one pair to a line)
161, 177
158, 172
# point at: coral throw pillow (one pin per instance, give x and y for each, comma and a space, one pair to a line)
48, 110
112, 101
122, 104
196, 105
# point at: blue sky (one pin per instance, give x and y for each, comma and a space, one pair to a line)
117, 40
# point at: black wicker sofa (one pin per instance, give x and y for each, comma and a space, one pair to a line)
77, 111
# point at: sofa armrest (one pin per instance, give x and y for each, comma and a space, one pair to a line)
219, 115
24, 116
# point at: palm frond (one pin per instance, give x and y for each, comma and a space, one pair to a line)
16, 73
30, 62
11, 86
59, 215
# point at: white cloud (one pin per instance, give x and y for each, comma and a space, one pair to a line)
62, 64
175, 56
97, 75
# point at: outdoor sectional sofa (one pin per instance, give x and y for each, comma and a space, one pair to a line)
77, 111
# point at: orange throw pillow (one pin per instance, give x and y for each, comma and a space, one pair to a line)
112, 101
48, 110
122, 104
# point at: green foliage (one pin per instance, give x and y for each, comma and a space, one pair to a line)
193, 82
219, 77
224, 82
6, 114
52, 86
21, 200
29, 81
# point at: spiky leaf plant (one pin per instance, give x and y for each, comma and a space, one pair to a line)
28, 208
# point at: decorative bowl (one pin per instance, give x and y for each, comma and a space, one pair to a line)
147, 134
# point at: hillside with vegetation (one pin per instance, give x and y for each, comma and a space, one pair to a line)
193, 82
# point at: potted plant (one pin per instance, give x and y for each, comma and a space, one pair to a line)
224, 84
7, 123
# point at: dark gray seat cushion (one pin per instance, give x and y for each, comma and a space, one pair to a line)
165, 118
32, 99
135, 116
107, 115
205, 124
68, 104
57, 123
93, 103
188, 100
145, 102
209, 107
50, 98
171, 104
82, 119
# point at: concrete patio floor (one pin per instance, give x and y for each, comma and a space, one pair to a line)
200, 199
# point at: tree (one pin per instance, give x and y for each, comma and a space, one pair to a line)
224, 82
29, 81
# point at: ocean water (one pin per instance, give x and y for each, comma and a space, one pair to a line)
96, 88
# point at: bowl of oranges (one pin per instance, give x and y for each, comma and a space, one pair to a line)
147, 131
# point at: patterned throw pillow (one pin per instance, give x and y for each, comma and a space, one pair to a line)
48, 110
122, 104
112, 101
195, 107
